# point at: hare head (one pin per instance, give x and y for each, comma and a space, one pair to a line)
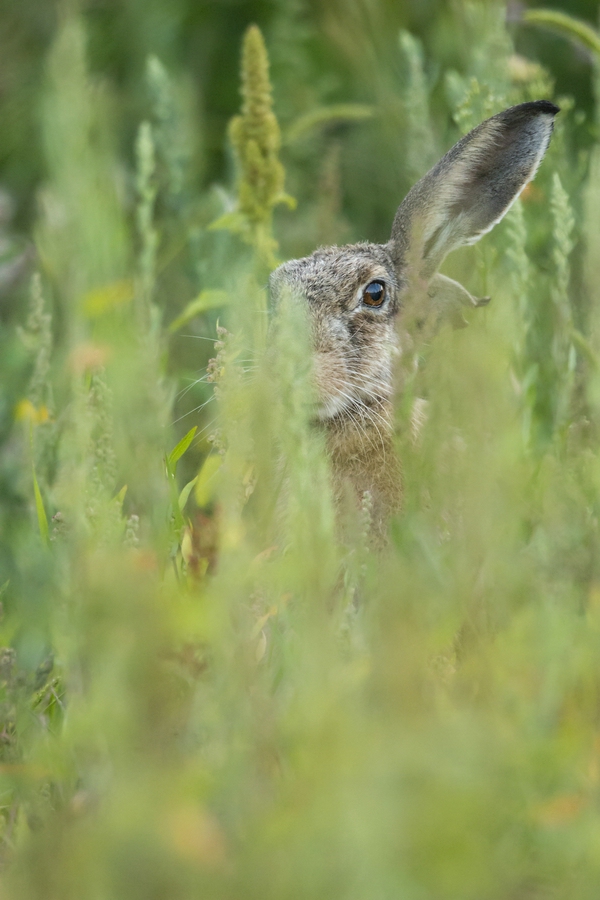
353, 294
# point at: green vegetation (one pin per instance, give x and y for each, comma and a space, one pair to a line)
206, 691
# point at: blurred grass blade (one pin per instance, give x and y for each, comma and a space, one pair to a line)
566, 25
178, 451
39, 508
207, 483
583, 345
327, 115
205, 301
232, 221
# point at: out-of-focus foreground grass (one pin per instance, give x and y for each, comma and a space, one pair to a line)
205, 691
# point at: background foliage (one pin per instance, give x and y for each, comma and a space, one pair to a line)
203, 688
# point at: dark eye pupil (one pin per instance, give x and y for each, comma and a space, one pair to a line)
374, 294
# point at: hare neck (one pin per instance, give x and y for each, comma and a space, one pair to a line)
363, 459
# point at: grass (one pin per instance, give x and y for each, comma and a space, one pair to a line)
205, 690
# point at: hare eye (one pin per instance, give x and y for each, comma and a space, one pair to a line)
374, 294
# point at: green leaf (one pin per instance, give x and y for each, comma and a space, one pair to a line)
39, 507
287, 200
118, 498
566, 25
108, 297
178, 520
233, 221
324, 115
185, 493
207, 482
204, 301
178, 451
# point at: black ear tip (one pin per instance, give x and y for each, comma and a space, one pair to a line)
545, 106
536, 108
517, 116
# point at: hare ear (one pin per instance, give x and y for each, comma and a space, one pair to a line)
471, 187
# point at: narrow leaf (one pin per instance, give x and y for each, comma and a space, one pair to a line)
566, 25
178, 451
204, 301
39, 507
185, 493
324, 115
232, 221
178, 520
207, 482
118, 499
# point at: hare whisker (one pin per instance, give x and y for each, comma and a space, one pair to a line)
199, 434
185, 390
199, 337
368, 415
355, 405
195, 410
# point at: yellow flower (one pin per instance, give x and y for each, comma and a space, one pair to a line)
25, 411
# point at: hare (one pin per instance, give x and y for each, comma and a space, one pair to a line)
355, 294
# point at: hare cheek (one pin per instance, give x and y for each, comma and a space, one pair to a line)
329, 373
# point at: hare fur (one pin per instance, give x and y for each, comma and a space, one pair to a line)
354, 294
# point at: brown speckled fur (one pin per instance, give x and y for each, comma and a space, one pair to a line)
460, 199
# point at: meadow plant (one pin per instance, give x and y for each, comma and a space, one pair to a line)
422, 151
256, 139
520, 270
563, 349
169, 132
37, 338
147, 190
